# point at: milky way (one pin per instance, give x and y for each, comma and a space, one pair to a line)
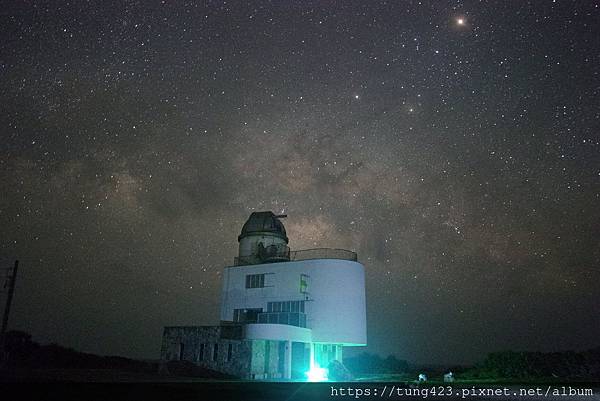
453, 145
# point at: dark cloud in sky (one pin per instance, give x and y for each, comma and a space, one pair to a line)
460, 161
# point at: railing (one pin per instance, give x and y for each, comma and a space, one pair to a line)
297, 319
323, 253
305, 254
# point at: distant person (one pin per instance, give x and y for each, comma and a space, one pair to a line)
449, 377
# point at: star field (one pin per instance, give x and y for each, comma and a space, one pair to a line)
452, 144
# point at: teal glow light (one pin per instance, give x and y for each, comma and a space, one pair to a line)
317, 374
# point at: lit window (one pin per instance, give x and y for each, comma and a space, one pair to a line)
246, 315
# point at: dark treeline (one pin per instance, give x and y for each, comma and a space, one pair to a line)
373, 364
527, 365
512, 365
22, 352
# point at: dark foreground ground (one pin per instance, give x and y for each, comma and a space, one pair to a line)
107, 385
49, 372
279, 391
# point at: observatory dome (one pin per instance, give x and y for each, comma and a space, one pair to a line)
260, 223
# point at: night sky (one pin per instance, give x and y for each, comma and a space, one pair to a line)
453, 145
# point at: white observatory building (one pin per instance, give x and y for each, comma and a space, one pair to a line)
284, 314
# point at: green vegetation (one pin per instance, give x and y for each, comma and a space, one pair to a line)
504, 367
373, 364
538, 366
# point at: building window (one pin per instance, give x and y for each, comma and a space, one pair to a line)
229, 351
201, 353
286, 306
215, 352
267, 356
291, 318
246, 315
255, 280
181, 348
284, 312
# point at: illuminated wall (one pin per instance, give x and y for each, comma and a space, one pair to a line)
333, 291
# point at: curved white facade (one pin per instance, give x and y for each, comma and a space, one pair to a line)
333, 295
337, 313
277, 332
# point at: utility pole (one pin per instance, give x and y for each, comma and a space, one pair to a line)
11, 290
